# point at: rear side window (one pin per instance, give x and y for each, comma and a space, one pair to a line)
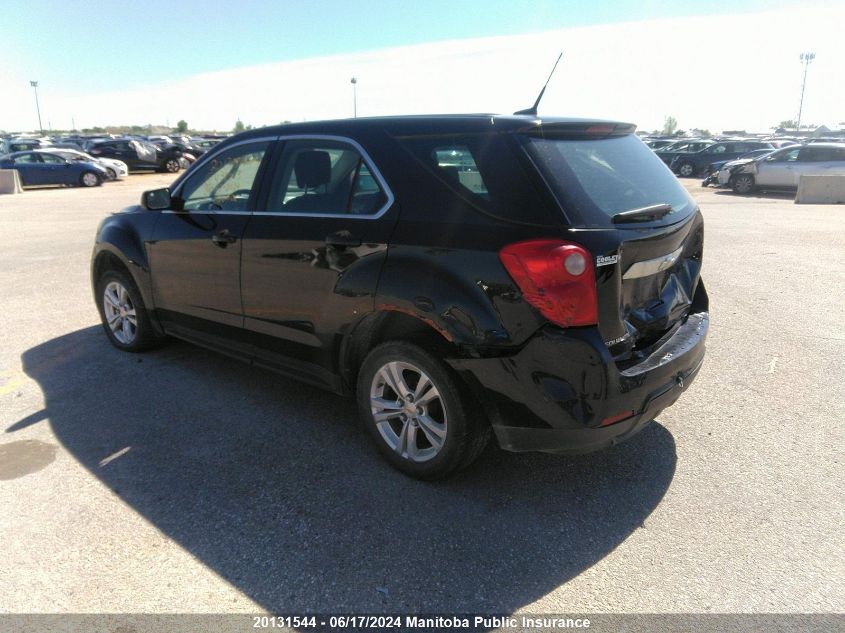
594, 179
483, 172
812, 154
457, 165
324, 178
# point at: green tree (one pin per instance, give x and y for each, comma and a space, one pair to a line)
239, 126
670, 125
787, 125
182, 126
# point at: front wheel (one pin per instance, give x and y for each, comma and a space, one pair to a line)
417, 413
172, 165
90, 179
123, 313
742, 183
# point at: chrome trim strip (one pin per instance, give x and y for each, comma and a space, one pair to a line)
652, 266
306, 137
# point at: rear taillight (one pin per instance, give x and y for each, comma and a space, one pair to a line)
556, 277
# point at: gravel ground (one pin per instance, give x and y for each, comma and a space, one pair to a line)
182, 481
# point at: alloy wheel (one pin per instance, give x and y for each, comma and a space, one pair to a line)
120, 313
686, 170
742, 184
172, 166
89, 179
408, 411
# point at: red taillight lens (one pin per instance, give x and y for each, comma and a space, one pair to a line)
556, 277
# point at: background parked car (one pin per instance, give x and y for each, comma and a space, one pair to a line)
714, 168
139, 156
115, 169
669, 152
692, 163
782, 168
40, 168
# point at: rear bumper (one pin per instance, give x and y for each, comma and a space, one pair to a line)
556, 392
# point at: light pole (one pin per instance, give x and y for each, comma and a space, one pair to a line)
806, 58
34, 85
354, 83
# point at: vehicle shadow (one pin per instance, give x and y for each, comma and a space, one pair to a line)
274, 486
773, 195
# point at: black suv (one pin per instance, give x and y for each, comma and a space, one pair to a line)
137, 155
537, 278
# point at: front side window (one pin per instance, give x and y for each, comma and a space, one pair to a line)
324, 178
787, 156
227, 182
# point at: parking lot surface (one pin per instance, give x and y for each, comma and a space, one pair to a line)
182, 481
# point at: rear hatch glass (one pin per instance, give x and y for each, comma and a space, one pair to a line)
595, 179
647, 266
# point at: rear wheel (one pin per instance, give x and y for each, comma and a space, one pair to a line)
90, 179
123, 313
417, 413
172, 165
742, 183
686, 169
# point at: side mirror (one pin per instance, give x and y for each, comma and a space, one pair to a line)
156, 199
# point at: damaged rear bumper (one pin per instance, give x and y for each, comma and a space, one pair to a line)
563, 392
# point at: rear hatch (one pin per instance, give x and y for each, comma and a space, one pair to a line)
644, 230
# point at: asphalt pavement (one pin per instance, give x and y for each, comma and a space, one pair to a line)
182, 481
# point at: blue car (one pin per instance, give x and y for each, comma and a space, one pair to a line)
38, 168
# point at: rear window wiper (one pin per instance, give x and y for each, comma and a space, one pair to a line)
643, 214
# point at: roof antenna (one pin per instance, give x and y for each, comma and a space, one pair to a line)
532, 111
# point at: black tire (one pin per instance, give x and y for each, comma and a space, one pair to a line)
144, 336
112, 173
686, 169
743, 184
172, 166
90, 179
467, 429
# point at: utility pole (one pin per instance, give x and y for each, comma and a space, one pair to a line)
34, 85
806, 58
354, 83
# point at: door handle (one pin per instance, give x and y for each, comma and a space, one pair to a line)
223, 238
342, 238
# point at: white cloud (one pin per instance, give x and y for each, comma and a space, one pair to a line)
738, 71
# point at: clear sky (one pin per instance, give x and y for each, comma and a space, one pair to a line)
87, 55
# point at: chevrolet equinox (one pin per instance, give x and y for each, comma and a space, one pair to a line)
533, 278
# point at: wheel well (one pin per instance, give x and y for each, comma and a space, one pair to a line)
108, 261
389, 326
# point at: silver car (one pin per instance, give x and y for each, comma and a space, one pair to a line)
782, 168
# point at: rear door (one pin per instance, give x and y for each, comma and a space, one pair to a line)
195, 253
312, 256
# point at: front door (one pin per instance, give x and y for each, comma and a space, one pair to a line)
312, 258
778, 170
195, 253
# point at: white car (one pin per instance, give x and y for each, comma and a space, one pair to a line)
116, 169
782, 168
